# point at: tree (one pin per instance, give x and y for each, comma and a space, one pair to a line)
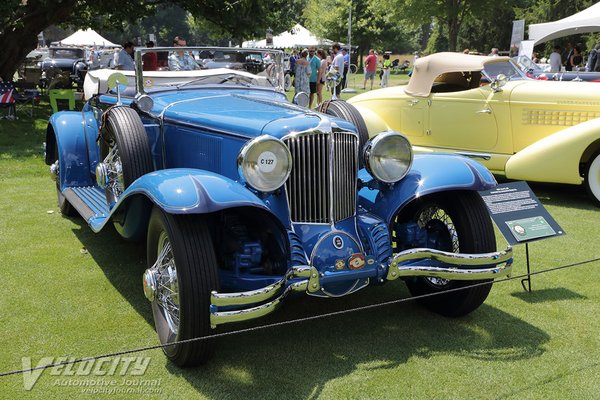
22, 20
449, 13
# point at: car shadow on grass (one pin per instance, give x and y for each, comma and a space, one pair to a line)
122, 262
297, 360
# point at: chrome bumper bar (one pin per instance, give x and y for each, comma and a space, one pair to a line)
307, 279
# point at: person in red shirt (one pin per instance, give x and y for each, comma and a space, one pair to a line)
370, 68
150, 60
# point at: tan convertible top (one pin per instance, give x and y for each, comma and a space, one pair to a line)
428, 68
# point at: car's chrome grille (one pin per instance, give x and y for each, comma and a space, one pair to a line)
322, 185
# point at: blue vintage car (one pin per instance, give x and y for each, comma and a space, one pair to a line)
244, 198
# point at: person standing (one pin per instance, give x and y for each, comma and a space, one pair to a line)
346, 67
322, 72
370, 68
150, 59
386, 66
338, 64
315, 65
302, 73
568, 53
125, 58
576, 58
555, 60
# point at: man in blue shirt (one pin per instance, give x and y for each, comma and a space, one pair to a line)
124, 59
315, 65
181, 60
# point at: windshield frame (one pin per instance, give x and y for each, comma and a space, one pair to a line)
276, 71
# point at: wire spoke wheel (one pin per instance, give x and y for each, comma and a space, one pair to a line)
453, 222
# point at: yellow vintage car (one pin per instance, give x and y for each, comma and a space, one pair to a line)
524, 129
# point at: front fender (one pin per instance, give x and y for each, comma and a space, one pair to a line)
430, 173
66, 134
192, 191
555, 158
375, 124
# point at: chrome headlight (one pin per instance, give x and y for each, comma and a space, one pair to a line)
388, 156
144, 103
265, 163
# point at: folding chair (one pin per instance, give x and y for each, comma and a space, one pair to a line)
25, 101
7, 100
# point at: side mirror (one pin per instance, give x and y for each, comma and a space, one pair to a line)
498, 82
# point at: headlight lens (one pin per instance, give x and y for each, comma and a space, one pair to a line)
265, 163
388, 156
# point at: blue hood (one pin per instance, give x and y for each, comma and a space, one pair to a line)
242, 111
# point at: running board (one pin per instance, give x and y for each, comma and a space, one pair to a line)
89, 201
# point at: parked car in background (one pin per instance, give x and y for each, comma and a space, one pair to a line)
533, 70
244, 198
524, 129
64, 67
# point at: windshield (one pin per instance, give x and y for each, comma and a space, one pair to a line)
506, 68
162, 67
527, 64
72, 54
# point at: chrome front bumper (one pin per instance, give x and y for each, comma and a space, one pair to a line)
246, 305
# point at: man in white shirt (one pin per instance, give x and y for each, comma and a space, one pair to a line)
338, 63
555, 60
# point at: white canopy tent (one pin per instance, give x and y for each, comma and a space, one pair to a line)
298, 36
89, 37
584, 21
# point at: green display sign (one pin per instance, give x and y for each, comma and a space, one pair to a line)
530, 228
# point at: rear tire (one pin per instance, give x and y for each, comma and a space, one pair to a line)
455, 222
592, 178
183, 247
344, 110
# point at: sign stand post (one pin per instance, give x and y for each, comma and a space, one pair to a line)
528, 279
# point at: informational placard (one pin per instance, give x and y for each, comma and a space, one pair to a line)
518, 213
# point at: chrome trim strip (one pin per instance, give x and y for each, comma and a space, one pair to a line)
483, 156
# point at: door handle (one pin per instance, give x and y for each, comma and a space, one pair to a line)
413, 102
484, 111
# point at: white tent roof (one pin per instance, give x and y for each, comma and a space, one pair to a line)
584, 21
298, 36
89, 37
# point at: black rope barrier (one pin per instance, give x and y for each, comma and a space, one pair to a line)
294, 321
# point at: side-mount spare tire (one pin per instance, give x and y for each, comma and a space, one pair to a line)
344, 110
125, 156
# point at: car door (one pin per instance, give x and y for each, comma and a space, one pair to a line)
462, 120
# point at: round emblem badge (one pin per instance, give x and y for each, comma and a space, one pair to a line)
338, 242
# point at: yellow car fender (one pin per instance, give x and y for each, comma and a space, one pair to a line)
555, 158
375, 124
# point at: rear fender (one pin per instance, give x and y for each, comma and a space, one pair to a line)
375, 124
430, 173
556, 158
66, 133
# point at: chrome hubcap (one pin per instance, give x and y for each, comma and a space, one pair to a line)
160, 284
112, 172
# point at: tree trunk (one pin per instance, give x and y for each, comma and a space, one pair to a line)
19, 36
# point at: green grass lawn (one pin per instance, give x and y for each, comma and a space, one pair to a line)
69, 292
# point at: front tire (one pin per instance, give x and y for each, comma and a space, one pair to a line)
592, 178
454, 222
125, 151
180, 250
